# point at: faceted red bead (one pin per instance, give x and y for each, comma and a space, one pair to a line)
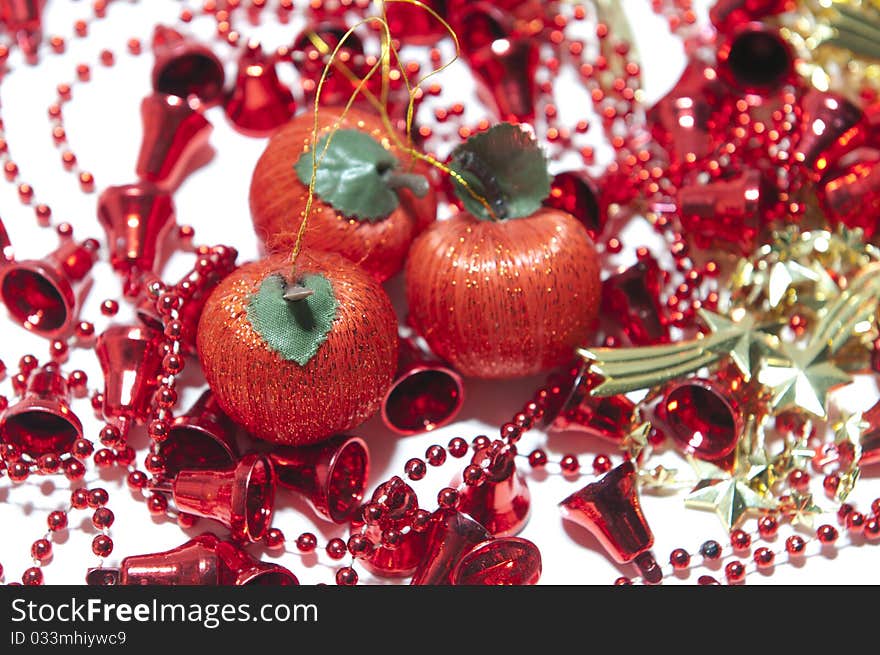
32, 576
795, 545
872, 528
740, 539
306, 542
855, 523
735, 572
764, 557
827, 534
680, 559
768, 526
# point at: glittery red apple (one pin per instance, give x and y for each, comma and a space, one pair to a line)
507, 297
295, 358
371, 198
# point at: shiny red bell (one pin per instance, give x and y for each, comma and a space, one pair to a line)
755, 58
577, 194
42, 422
610, 509
204, 560
259, 103
136, 219
311, 51
683, 121
460, 551
605, 417
175, 132
825, 121
413, 25
726, 15
503, 63
184, 67
45, 295
131, 362
203, 438
702, 417
631, 303
398, 504
331, 474
22, 19
425, 395
241, 497
851, 196
500, 500
725, 211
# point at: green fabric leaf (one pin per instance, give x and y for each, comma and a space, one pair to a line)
506, 166
293, 329
350, 176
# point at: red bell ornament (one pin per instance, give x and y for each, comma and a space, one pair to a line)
610, 509
754, 58
131, 362
825, 123
136, 219
502, 62
203, 438
725, 211
631, 302
45, 295
851, 196
332, 475
577, 194
242, 497
460, 551
259, 103
42, 422
22, 19
398, 504
204, 560
175, 131
702, 417
425, 395
415, 26
185, 67
500, 500
604, 417
311, 50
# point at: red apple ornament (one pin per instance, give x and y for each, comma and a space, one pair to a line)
507, 295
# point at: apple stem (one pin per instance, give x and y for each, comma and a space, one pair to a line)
412, 181
294, 292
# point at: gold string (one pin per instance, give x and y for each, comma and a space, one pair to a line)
380, 104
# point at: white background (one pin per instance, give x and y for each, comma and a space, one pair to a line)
103, 123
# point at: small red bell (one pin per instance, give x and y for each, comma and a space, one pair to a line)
574, 192
23, 21
610, 509
461, 551
425, 395
131, 362
260, 103
42, 422
242, 497
136, 219
204, 560
851, 196
332, 474
500, 500
701, 417
203, 438
605, 417
175, 131
311, 50
826, 119
413, 25
45, 295
725, 211
683, 120
184, 67
398, 504
755, 58
503, 63
726, 15
631, 303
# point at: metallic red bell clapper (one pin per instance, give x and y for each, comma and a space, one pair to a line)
332, 474
242, 497
425, 395
500, 500
42, 422
45, 295
610, 509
